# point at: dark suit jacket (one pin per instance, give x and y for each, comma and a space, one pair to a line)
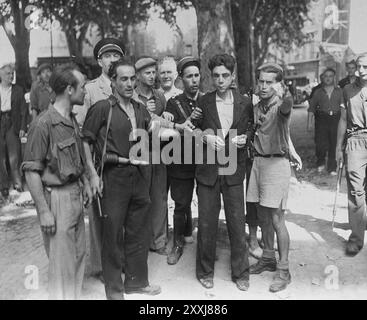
207, 174
18, 109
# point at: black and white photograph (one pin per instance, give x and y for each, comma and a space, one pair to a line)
198, 152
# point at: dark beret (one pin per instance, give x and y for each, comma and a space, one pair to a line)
42, 67
108, 44
143, 63
271, 65
187, 62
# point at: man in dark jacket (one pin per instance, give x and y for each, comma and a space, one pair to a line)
225, 124
12, 127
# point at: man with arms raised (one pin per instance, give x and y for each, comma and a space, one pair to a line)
271, 172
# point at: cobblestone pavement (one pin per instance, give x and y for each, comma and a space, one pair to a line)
319, 268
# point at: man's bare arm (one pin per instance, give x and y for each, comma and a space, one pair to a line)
94, 180
35, 186
342, 129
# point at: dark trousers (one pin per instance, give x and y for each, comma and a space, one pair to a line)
9, 153
126, 202
158, 208
356, 165
181, 193
251, 211
209, 208
326, 130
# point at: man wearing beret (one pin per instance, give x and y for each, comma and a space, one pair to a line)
271, 171
105, 52
183, 107
155, 102
41, 95
13, 125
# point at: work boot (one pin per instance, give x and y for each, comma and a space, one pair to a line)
281, 280
352, 249
264, 264
174, 255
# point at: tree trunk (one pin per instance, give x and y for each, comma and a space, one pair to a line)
20, 41
241, 16
215, 33
23, 73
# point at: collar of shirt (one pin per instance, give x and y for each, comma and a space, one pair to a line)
193, 99
57, 118
171, 93
228, 101
106, 80
265, 105
5, 98
142, 95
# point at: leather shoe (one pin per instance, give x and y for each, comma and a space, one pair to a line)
151, 290
242, 284
207, 283
281, 280
174, 255
264, 265
352, 249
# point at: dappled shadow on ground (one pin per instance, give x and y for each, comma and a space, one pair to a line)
321, 227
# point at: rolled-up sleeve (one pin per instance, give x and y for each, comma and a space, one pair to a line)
37, 147
96, 117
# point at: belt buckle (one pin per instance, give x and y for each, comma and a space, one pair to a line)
330, 113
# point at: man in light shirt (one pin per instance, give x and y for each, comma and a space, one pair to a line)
12, 127
229, 116
167, 72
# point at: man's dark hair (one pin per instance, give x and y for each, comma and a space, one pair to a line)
225, 60
124, 61
62, 77
271, 69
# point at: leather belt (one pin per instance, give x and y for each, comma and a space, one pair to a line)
270, 155
328, 113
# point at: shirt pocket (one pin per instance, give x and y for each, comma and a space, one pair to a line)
66, 160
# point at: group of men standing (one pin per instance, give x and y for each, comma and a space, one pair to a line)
128, 215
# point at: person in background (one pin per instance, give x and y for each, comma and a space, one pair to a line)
167, 74
351, 77
54, 167
325, 107
41, 95
353, 129
105, 52
155, 103
13, 127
